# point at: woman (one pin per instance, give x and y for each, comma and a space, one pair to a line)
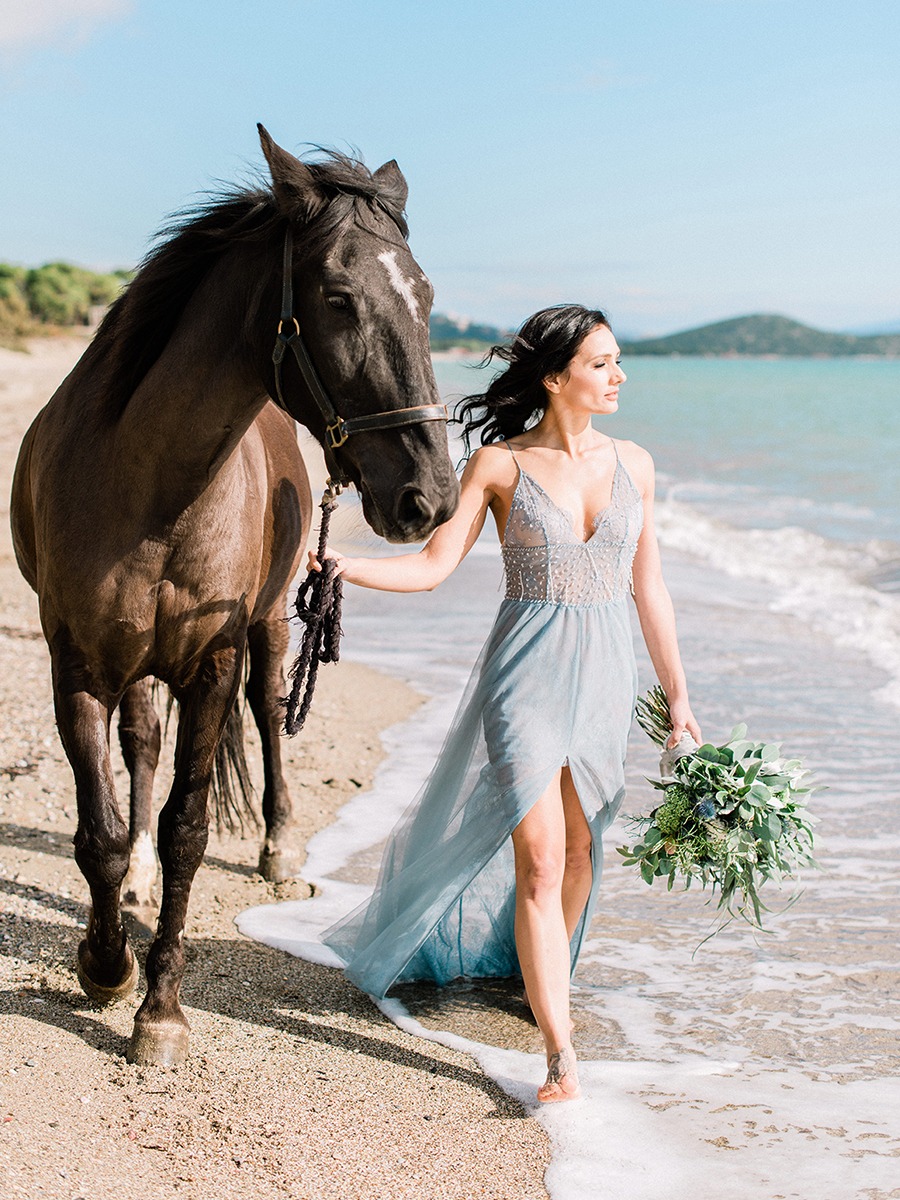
495, 869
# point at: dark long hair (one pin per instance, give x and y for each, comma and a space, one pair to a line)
516, 398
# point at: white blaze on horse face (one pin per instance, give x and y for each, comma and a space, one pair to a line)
401, 285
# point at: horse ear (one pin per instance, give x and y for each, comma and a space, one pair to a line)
292, 180
391, 178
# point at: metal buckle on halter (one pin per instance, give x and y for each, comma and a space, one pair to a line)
337, 434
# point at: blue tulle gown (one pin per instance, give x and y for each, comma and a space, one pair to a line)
556, 682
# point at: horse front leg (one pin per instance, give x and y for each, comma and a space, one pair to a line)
107, 968
139, 737
161, 1029
268, 642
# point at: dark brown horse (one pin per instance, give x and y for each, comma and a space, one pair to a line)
160, 506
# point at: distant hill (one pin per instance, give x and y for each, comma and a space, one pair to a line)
764, 334
450, 333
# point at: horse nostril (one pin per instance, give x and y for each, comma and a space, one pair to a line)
413, 509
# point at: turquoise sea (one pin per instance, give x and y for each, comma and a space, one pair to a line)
763, 1066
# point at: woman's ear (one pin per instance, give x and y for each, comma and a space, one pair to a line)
551, 383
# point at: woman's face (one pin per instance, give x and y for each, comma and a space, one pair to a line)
591, 381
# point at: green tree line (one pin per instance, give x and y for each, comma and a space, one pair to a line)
57, 293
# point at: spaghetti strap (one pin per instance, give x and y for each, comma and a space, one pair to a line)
512, 452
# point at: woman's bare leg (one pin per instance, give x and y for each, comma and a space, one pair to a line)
578, 875
542, 942
579, 872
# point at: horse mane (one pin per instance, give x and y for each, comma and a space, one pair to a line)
141, 321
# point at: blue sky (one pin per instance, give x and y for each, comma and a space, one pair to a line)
673, 163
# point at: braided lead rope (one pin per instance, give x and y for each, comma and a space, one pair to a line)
318, 605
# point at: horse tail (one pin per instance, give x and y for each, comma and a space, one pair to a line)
232, 787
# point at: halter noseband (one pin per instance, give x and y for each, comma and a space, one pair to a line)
337, 428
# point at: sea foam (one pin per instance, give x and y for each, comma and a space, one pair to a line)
827, 584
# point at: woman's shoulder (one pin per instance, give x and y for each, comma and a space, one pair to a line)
637, 461
493, 464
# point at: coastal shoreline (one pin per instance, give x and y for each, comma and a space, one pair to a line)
296, 1085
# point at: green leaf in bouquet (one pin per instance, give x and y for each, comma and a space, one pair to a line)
737, 734
760, 831
769, 752
741, 750
751, 773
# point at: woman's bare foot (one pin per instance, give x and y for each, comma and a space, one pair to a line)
562, 1078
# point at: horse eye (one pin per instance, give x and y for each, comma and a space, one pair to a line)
338, 300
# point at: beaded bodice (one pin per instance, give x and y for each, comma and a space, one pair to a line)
545, 559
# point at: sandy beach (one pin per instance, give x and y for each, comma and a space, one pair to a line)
296, 1086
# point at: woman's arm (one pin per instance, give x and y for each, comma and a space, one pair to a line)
445, 549
657, 616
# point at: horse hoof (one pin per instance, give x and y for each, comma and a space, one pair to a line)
100, 993
163, 1044
276, 866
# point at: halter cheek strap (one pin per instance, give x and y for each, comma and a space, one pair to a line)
337, 428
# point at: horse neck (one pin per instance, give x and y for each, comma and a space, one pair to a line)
190, 412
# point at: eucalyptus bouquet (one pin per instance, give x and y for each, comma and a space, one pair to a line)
731, 816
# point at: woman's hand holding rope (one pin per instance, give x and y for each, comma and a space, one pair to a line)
340, 561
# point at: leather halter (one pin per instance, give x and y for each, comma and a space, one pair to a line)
337, 428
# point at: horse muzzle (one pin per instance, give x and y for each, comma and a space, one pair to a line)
410, 516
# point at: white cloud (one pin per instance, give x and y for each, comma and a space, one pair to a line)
41, 21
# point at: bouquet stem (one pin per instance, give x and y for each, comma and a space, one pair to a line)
653, 716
